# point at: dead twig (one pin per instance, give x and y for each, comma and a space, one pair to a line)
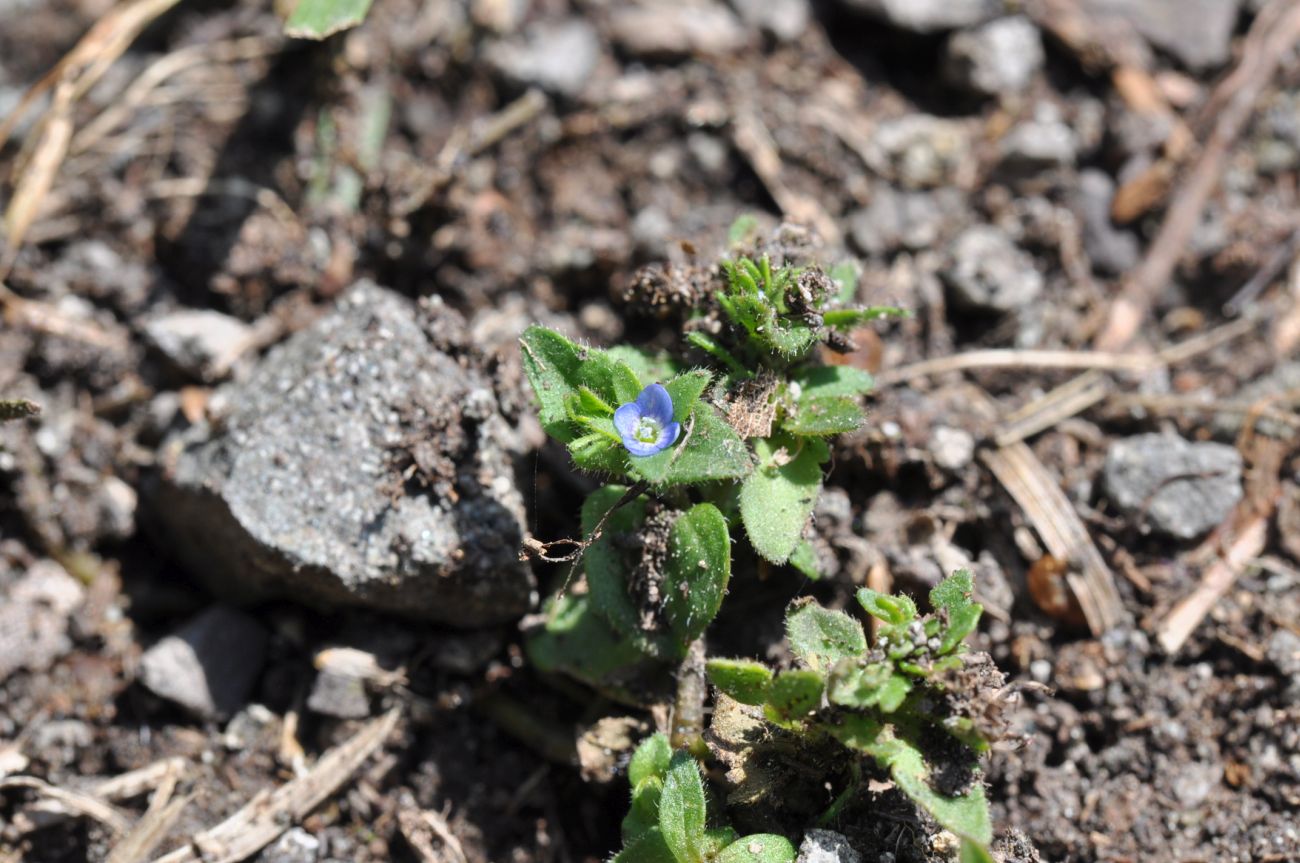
1271, 37
270, 813
72, 802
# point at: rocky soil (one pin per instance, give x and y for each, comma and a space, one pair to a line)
286, 460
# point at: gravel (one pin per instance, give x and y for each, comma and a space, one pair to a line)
826, 846
1110, 249
364, 462
1196, 32
556, 56
200, 343
999, 58
209, 665
989, 273
928, 16
1177, 487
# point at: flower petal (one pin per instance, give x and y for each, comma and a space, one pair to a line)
637, 448
626, 418
654, 402
669, 435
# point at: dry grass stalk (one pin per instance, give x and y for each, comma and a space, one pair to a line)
70, 79
1269, 42
74, 803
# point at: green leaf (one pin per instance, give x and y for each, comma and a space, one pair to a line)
897, 610
821, 637
845, 275
643, 814
952, 598
804, 559
871, 686
841, 319
608, 564
715, 839
960, 624
590, 404
967, 814
552, 362
790, 338
777, 499
578, 642
651, 759
824, 381
696, 571
819, 416
317, 19
743, 229
793, 695
682, 810
685, 391
710, 450
954, 592
974, 852
649, 847
744, 680
758, 848
647, 366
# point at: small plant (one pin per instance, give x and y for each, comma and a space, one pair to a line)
728, 440
887, 702
694, 451
668, 821
17, 409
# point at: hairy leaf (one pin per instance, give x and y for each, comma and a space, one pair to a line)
821, 637
842, 319
643, 814
744, 680
820, 416
824, 381
316, 19
651, 759
552, 362
804, 559
758, 848
608, 565
696, 571
649, 847
952, 597
874, 685
578, 642
682, 810
793, 695
777, 499
897, 609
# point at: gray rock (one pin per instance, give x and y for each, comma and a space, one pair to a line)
783, 20
199, 342
895, 219
1284, 652
295, 846
928, 16
209, 665
989, 273
1197, 32
339, 695
363, 462
34, 616
826, 846
667, 30
1179, 488
998, 58
1111, 249
1039, 144
556, 56
953, 448
920, 151
1283, 379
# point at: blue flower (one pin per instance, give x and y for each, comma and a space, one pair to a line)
646, 425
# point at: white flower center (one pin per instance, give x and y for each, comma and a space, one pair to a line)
646, 431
